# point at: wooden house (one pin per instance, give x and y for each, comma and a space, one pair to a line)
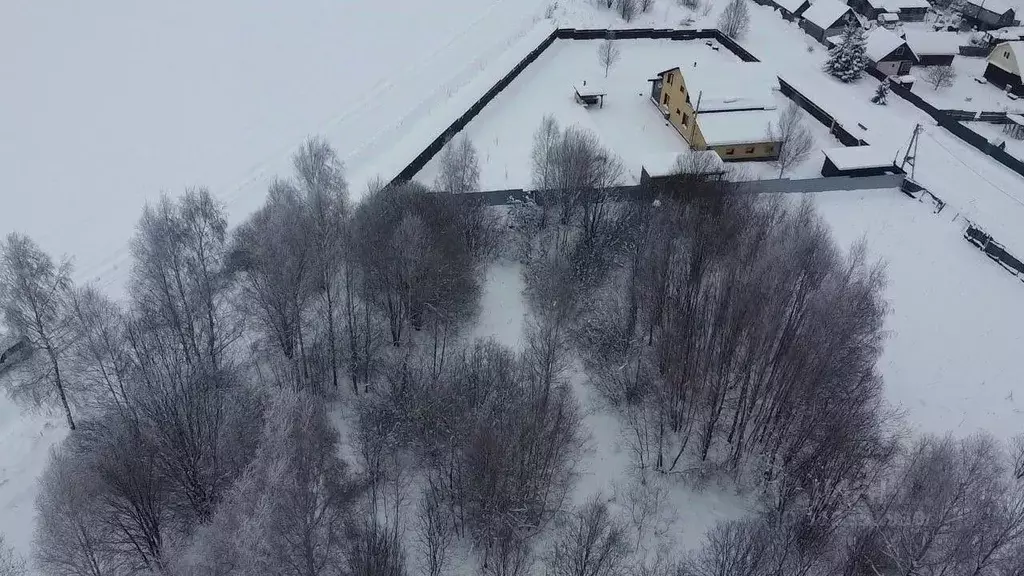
827, 18
988, 14
727, 108
907, 10
888, 52
933, 48
1004, 66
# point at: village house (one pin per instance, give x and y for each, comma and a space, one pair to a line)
791, 9
827, 18
933, 48
727, 108
888, 53
1003, 68
988, 14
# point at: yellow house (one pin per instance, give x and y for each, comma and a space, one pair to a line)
727, 108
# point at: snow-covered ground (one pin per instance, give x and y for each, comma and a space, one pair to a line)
973, 184
107, 104
951, 360
965, 93
994, 132
628, 124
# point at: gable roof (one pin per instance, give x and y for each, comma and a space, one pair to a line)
793, 6
994, 6
730, 86
825, 13
880, 42
925, 43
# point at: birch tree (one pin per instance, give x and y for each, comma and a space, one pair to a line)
794, 139
37, 294
321, 177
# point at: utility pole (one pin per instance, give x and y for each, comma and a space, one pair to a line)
910, 156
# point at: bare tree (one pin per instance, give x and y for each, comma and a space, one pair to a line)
940, 76
435, 529
321, 176
376, 552
736, 548
11, 563
626, 9
543, 158
645, 5
735, 19
591, 543
608, 53
101, 355
177, 281
271, 255
37, 295
290, 513
793, 138
459, 168
70, 538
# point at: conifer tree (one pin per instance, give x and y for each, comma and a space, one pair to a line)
881, 93
847, 60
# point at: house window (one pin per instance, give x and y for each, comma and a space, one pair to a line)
678, 112
669, 79
665, 99
769, 149
750, 150
730, 151
1006, 54
686, 118
898, 51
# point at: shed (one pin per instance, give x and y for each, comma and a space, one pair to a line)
699, 165
826, 18
933, 48
888, 19
888, 52
791, 9
859, 161
1004, 66
589, 94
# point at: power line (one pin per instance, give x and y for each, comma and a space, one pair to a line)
976, 173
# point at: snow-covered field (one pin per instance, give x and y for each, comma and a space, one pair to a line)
951, 360
628, 124
973, 184
106, 104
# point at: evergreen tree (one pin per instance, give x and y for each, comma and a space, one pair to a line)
847, 60
881, 93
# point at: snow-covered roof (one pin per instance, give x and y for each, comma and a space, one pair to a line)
793, 6
880, 42
825, 13
994, 6
588, 88
933, 43
854, 157
734, 128
889, 17
896, 5
668, 164
1016, 119
730, 86
1009, 33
